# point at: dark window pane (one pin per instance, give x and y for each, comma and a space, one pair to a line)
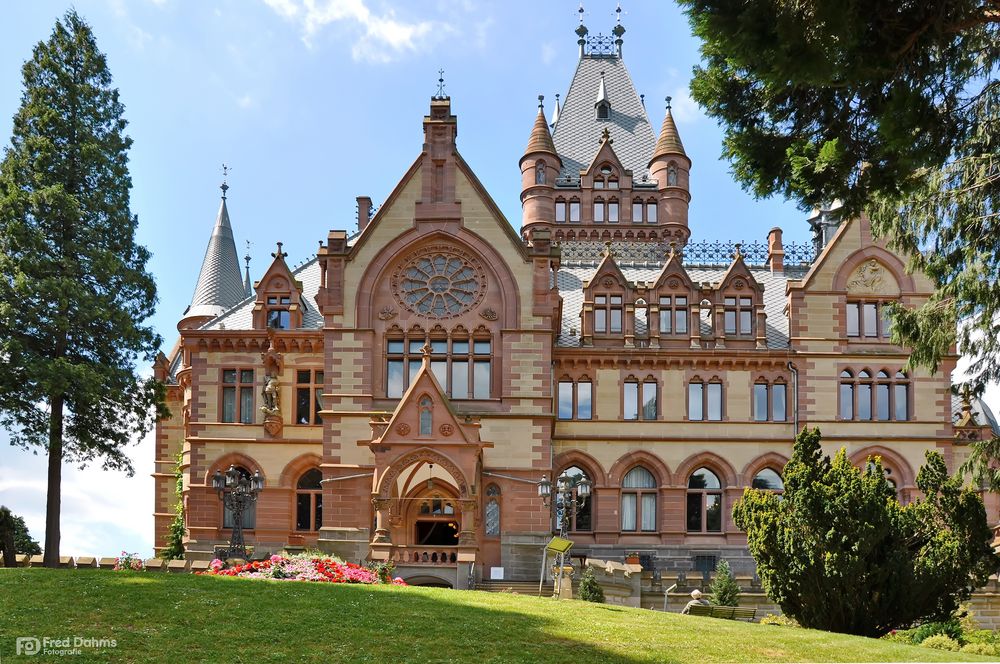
864, 402
713, 513
311, 479
631, 401
583, 401
584, 517
229, 404
902, 408
715, 401
760, 402
871, 319
882, 401
318, 379
778, 409
229, 375
318, 501
694, 512
460, 379
302, 414
846, 401
695, 403
852, 319
394, 373
649, 401
481, 380
246, 375
302, 377
246, 405
565, 400
303, 507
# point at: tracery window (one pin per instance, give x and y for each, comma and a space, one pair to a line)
463, 365
309, 501
426, 416
704, 502
492, 511
440, 282
639, 500
769, 479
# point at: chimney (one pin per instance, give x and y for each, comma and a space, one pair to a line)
775, 251
364, 212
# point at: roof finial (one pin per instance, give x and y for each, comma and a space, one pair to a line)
280, 254
440, 91
247, 257
669, 99
541, 99
736, 253
673, 249
642, 100
225, 176
606, 136
607, 249
581, 12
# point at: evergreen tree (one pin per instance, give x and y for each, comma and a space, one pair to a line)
838, 552
590, 590
892, 108
724, 589
75, 290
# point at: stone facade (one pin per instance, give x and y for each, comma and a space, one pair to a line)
436, 365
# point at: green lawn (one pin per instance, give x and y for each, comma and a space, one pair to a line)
159, 617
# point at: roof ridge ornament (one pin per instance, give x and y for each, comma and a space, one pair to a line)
440, 91
606, 137
280, 254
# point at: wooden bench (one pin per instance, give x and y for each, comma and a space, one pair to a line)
727, 612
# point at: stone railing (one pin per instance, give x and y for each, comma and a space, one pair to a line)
424, 555
90, 562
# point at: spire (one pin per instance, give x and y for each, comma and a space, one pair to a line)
247, 289
602, 92
541, 139
220, 284
670, 140
555, 113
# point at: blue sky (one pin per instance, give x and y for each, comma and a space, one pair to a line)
315, 102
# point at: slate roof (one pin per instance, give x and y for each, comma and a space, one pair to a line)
578, 130
220, 283
980, 410
240, 317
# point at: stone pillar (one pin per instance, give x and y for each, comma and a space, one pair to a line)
382, 535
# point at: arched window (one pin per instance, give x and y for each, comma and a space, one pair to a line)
651, 211
637, 210
901, 397
884, 396
426, 417
870, 467
309, 501
704, 502
249, 513
603, 110
639, 500
492, 516
613, 205
598, 210
768, 480
846, 395
583, 520
560, 211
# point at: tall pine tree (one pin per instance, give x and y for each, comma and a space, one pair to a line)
74, 291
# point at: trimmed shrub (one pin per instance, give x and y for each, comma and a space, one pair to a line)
590, 589
941, 642
987, 649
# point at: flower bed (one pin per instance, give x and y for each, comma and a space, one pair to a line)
301, 568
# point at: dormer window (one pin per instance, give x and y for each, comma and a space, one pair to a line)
738, 315
607, 314
278, 316
603, 110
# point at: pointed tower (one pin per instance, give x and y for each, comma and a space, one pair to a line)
670, 168
220, 284
539, 167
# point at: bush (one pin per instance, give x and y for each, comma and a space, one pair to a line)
987, 649
952, 629
784, 621
941, 642
983, 636
590, 589
724, 589
915, 563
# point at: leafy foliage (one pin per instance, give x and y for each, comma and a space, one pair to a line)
941, 642
18, 530
724, 589
838, 552
590, 590
893, 109
75, 289
174, 550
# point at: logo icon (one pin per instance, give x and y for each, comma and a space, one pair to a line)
28, 645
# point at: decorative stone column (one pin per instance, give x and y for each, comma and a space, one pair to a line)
382, 535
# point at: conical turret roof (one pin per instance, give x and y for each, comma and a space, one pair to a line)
540, 139
220, 283
670, 139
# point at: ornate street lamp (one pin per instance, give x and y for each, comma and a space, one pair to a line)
567, 504
237, 493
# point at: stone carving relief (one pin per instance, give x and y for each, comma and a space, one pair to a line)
489, 314
403, 429
446, 429
873, 278
387, 313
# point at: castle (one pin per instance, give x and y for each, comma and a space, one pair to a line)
404, 392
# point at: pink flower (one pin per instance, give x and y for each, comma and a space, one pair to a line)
275, 559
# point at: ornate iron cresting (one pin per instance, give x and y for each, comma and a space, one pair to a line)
714, 253
601, 45
238, 492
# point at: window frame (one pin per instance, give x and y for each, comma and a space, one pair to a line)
238, 385
313, 387
856, 328
575, 386
770, 402
706, 388
864, 387
315, 502
410, 358
638, 492
704, 493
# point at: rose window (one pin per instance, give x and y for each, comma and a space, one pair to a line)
439, 283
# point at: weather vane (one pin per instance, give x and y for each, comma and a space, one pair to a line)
225, 177
247, 257
440, 92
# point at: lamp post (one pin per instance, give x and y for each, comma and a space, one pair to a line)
237, 493
568, 505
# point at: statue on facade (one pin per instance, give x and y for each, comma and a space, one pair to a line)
272, 396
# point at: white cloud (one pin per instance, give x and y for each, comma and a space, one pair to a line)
384, 37
685, 110
548, 53
246, 101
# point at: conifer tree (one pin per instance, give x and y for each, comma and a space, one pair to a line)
74, 291
724, 589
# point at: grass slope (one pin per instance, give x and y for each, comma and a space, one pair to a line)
159, 617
